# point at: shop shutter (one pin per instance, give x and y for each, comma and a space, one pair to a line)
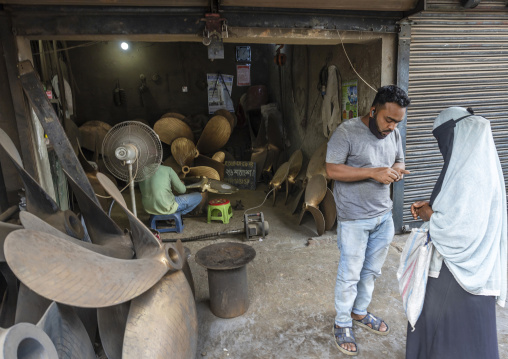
456, 59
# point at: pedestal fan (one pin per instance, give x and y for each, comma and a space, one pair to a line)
132, 152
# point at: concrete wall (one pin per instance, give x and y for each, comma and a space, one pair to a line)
97, 69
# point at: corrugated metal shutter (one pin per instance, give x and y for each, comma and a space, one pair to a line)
451, 5
455, 60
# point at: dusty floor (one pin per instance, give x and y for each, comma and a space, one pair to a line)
291, 289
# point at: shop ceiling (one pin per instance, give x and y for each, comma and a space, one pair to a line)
262, 21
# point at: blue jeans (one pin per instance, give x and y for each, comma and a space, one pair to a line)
363, 246
187, 202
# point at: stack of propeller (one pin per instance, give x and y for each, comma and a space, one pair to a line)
126, 283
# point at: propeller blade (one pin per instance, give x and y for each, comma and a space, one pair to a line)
228, 115
297, 200
67, 332
210, 162
5, 229
163, 322
219, 156
67, 273
171, 162
201, 171
73, 134
10, 298
315, 190
92, 134
215, 135
34, 223
317, 163
318, 218
259, 156
38, 201
214, 186
328, 209
280, 175
271, 158
26, 340
171, 128
112, 322
145, 243
295, 165
101, 228
184, 151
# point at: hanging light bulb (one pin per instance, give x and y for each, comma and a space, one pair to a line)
124, 46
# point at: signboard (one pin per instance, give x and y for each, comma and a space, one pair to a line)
241, 174
349, 99
242, 75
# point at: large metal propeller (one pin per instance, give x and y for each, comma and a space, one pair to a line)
314, 194
317, 163
171, 128
279, 178
215, 135
184, 151
295, 165
211, 185
200, 171
92, 134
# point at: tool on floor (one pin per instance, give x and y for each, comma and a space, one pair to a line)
254, 226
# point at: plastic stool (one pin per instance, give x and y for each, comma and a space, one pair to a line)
176, 217
219, 210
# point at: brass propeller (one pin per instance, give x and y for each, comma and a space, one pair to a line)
213, 163
314, 194
295, 165
25, 340
184, 151
228, 115
5, 229
200, 171
173, 114
92, 134
215, 135
170, 128
279, 177
219, 156
317, 163
329, 210
214, 186
38, 201
112, 322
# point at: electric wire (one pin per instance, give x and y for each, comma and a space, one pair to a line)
248, 209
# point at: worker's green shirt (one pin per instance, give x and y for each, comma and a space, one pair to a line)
157, 194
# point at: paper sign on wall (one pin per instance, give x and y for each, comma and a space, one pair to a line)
349, 99
220, 88
243, 75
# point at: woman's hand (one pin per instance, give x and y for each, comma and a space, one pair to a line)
421, 209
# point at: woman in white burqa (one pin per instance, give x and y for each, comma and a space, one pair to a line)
466, 217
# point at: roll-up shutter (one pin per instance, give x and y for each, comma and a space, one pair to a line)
455, 60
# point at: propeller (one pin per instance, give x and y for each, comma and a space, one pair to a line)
170, 128
279, 177
213, 163
200, 171
219, 156
5, 229
214, 186
295, 165
112, 322
174, 115
184, 151
314, 193
92, 134
171, 162
215, 135
38, 201
329, 210
228, 115
24, 341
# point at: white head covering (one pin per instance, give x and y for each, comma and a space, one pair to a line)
468, 226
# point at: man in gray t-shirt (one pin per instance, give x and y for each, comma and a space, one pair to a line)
364, 157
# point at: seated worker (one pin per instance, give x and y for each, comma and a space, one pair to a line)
157, 193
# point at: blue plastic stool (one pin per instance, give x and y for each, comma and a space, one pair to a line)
176, 217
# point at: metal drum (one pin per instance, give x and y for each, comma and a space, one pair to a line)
227, 277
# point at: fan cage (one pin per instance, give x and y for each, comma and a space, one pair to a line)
147, 143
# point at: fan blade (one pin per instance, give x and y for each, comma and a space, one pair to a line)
34, 223
26, 340
145, 243
92, 134
171, 162
10, 298
162, 322
295, 165
184, 151
228, 115
67, 332
5, 229
64, 272
31, 306
174, 115
112, 322
215, 135
201, 171
38, 200
315, 190
318, 218
209, 162
101, 228
280, 175
219, 157
328, 209
317, 163
171, 128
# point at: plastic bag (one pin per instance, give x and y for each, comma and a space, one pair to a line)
413, 272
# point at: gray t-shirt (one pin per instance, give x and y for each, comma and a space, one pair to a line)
354, 145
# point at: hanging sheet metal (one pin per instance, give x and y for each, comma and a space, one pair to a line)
456, 59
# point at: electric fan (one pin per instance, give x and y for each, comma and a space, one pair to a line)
132, 152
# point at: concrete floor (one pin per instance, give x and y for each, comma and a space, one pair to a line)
291, 286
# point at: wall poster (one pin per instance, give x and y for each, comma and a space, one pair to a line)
349, 99
219, 92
